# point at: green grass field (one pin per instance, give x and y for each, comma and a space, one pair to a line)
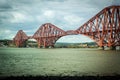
59, 61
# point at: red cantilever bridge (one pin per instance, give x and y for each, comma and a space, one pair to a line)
103, 28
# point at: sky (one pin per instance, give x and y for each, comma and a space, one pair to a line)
29, 15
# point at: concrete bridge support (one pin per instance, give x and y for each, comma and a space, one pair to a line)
117, 47
108, 48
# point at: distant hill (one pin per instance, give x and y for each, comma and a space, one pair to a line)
75, 45
10, 43
5, 42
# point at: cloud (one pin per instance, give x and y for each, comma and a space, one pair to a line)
5, 6
115, 2
45, 16
7, 31
18, 17
73, 19
6, 34
49, 13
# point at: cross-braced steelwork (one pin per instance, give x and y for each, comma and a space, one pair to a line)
48, 34
20, 38
103, 28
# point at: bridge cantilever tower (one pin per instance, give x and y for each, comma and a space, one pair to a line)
20, 38
48, 34
104, 28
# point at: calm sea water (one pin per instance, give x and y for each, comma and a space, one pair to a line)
63, 62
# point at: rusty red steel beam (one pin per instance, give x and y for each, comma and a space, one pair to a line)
71, 32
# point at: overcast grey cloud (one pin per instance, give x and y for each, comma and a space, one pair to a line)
30, 14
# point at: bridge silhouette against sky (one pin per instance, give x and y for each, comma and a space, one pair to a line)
103, 28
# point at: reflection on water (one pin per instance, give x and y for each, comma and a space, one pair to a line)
31, 61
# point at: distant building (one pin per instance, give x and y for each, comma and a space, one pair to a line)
83, 45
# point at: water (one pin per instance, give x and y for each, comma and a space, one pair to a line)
55, 62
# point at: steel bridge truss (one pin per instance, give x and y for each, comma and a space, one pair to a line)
103, 28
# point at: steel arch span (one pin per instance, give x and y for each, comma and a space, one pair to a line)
103, 28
